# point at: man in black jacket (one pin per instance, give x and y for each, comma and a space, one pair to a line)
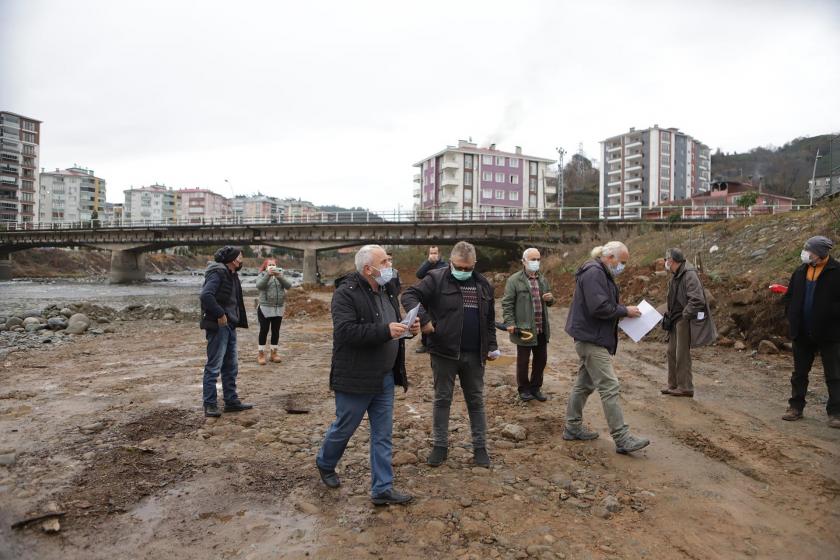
459, 319
368, 360
222, 311
433, 262
813, 312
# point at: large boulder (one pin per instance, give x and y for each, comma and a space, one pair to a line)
30, 322
78, 323
32, 313
65, 311
57, 323
13, 322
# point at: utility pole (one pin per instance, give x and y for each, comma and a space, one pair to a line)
814, 176
560, 187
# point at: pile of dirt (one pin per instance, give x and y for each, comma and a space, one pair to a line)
300, 303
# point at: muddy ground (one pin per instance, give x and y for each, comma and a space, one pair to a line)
109, 430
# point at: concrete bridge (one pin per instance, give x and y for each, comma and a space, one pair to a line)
128, 242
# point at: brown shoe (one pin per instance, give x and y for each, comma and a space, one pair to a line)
275, 356
667, 390
261, 357
792, 414
679, 393
834, 421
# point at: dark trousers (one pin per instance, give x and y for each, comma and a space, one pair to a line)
221, 358
523, 355
265, 323
470, 373
804, 351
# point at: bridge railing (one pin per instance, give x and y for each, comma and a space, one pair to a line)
581, 214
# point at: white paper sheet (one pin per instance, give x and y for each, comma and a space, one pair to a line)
408, 320
639, 327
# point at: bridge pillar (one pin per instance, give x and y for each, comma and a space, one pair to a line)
127, 266
5, 266
310, 265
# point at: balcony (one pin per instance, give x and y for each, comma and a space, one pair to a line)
450, 181
449, 197
450, 164
634, 155
631, 180
614, 171
632, 143
7, 180
614, 160
613, 147
614, 183
633, 191
417, 178
613, 194
628, 203
416, 192
636, 167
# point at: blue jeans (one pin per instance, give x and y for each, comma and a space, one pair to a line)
221, 357
350, 408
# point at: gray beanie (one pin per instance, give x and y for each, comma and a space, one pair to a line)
675, 255
819, 245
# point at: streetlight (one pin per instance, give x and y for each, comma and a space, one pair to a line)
814, 175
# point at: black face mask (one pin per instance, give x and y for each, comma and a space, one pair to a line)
238, 267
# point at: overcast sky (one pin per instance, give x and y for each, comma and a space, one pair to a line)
334, 101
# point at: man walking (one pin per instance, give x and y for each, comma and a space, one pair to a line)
525, 307
222, 312
688, 322
459, 319
593, 324
368, 360
813, 312
433, 262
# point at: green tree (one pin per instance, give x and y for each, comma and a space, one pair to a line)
747, 199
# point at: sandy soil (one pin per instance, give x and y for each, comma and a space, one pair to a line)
109, 429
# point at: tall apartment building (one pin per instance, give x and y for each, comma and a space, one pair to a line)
20, 140
70, 195
468, 178
259, 207
299, 210
644, 168
155, 203
197, 205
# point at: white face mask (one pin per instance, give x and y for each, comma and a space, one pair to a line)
805, 256
532, 266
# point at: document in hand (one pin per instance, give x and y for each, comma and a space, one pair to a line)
409, 319
639, 327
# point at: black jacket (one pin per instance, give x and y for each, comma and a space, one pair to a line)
826, 310
595, 311
428, 266
358, 336
443, 305
219, 286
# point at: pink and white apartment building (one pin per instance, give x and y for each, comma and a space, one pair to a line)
197, 205
467, 179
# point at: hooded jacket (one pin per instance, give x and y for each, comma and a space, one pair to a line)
272, 289
595, 311
825, 321
220, 284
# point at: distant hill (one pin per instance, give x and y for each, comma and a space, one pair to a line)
785, 170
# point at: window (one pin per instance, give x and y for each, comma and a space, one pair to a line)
500, 177
468, 178
514, 179
486, 193
532, 202
532, 167
513, 195
500, 160
467, 195
533, 183
500, 194
513, 162
666, 160
487, 160
486, 176
28, 137
468, 161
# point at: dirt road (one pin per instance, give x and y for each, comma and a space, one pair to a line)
110, 430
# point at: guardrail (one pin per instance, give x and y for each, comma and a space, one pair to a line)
580, 214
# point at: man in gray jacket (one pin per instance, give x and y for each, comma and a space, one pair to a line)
593, 323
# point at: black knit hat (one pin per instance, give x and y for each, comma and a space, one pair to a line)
227, 254
675, 255
819, 245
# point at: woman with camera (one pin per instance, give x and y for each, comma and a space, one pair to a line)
272, 286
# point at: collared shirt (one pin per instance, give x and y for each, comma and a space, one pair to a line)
536, 300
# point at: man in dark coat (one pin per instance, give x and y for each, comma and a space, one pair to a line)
433, 262
222, 312
813, 312
368, 360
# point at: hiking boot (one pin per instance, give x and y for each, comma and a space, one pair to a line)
526, 396
480, 457
421, 349
275, 356
437, 456
792, 414
237, 406
212, 411
679, 393
539, 395
391, 496
667, 390
581, 433
629, 444
330, 478
834, 421
261, 357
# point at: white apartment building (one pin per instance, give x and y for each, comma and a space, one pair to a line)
467, 178
644, 168
155, 203
20, 140
70, 195
198, 205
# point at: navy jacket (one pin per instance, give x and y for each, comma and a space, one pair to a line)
220, 284
825, 318
427, 266
595, 311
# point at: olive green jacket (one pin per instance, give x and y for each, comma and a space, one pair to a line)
518, 307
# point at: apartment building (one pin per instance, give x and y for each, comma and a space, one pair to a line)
156, 203
20, 140
197, 205
112, 212
467, 179
258, 207
299, 210
645, 168
70, 195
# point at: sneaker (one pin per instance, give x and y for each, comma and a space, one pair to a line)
212, 411
582, 434
275, 357
437, 456
261, 357
391, 496
539, 395
330, 478
792, 414
237, 406
629, 444
421, 349
834, 421
480, 457
526, 396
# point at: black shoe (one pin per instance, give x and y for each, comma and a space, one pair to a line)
421, 349
437, 456
389, 497
480, 457
237, 406
526, 396
330, 478
212, 411
539, 395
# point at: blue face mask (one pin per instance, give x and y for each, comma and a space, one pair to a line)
617, 269
461, 275
385, 275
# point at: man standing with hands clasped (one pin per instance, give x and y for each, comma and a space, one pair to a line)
433, 262
525, 307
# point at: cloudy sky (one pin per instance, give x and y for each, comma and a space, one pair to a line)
334, 101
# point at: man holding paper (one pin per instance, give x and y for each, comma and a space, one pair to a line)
593, 323
687, 321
